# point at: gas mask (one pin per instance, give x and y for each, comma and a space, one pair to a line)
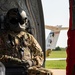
16, 21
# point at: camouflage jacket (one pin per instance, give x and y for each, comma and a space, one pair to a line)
22, 46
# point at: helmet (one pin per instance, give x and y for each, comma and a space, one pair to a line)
15, 21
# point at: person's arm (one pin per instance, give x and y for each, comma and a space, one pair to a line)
38, 56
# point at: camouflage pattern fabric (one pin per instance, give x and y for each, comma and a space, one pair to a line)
39, 71
22, 46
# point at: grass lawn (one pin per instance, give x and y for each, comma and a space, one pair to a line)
58, 54
56, 64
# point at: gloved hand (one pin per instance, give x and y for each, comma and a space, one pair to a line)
27, 63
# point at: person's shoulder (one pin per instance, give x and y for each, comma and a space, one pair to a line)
26, 33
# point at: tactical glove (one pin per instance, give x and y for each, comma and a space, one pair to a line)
27, 63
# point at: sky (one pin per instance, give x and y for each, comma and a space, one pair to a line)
56, 12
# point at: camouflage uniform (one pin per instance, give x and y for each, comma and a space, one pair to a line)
22, 46
15, 43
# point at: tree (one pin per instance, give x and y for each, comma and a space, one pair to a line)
57, 48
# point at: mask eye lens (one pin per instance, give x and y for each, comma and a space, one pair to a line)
25, 19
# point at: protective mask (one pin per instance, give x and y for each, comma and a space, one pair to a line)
16, 21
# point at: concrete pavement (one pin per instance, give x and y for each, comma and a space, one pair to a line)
58, 71
55, 58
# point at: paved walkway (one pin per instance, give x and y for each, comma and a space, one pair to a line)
58, 71
55, 58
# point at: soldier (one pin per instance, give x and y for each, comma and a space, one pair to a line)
17, 46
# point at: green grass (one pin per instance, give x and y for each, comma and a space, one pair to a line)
55, 64
58, 54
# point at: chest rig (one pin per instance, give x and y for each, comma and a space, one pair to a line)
15, 46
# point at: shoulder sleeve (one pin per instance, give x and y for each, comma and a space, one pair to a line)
37, 51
